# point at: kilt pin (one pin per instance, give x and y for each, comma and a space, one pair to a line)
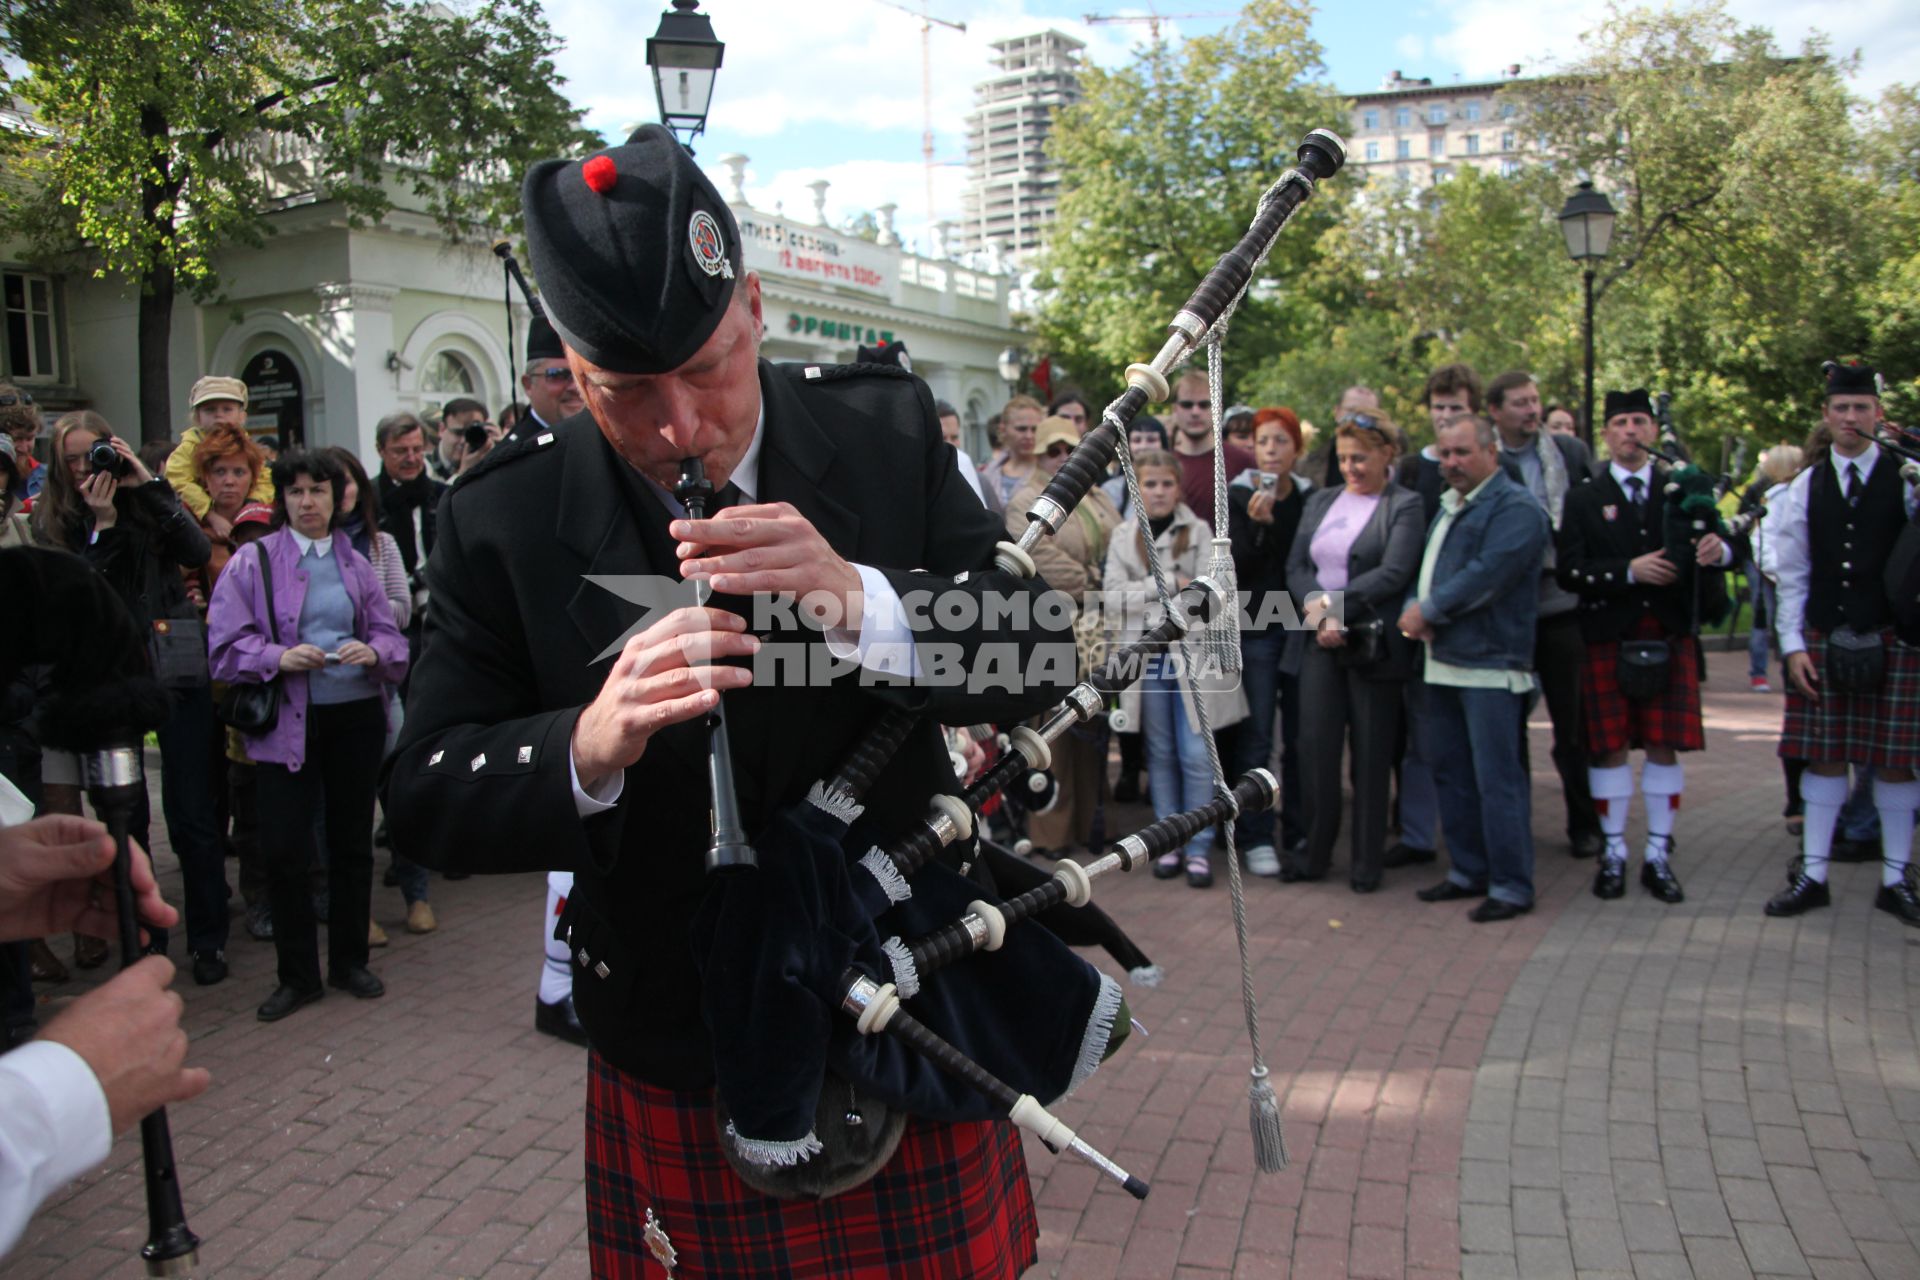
953, 1203
1616, 722
1881, 728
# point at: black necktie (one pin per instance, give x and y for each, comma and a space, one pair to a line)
1635, 485
1853, 484
729, 496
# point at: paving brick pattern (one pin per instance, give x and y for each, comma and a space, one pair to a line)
1449, 1090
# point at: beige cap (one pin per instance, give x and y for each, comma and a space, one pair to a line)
214, 387
1054, 431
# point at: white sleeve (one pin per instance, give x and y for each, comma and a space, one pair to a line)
885, 642
1787, 550
971, 474
602, 798
54, 1126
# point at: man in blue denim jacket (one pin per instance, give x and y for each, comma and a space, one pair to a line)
1474, 607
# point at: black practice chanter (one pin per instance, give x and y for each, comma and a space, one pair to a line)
729, 849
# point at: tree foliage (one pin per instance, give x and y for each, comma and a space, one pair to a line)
172, 128
1163, 163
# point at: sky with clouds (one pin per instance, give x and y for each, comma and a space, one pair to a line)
833, 91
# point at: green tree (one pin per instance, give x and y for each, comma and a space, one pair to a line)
173, 128
1893, 299
1748, 229
1163, 162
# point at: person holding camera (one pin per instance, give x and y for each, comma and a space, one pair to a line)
450, 446
318, 622
102, 503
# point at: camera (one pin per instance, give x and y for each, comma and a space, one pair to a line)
1269, 481
102, 456
475, 435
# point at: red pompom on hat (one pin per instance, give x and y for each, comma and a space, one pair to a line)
599, 174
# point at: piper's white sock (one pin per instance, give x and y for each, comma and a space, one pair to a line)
1823, 797
1896, 802
556, 972
1612, 792
1661, 784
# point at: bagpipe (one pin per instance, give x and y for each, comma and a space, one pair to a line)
1692, 512
852, 977
1902, 578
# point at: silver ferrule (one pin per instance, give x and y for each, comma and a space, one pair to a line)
1132, 848
1031, 535
1189, 324
1048, 512
113, 767
1214, 589
976, 929
944, 829
860, 993
1268, 782
1059, 720
1108, 862
1080, 1148
1085, 701
1176, 348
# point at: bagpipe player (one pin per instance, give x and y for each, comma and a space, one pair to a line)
553, 725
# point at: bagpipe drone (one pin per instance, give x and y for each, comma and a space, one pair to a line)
852, 977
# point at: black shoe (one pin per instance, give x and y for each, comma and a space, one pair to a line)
1406, 855
1199, 874
1657, 878
209, 967
455, 875
1610, 881
1448, 891
1127, 789
1166, 866
260, 922
1899, 901
1855, 851
1493, 910
1586, 844
558, 1020
1364, 886
1292, 872
1801, 895
284, 1001
358, 983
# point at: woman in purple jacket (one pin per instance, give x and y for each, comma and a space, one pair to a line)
333, 646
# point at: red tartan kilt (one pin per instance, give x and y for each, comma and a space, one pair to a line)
1617, 723
952, 1204
1880, 728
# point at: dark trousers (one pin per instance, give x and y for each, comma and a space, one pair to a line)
245, 806
20, 765
1337, 707
1486, 805
1559, 655
340, 773
187, 783
1263, 681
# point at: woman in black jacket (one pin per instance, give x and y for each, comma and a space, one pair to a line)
135, 533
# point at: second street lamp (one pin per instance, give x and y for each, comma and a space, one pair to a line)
684, 55
1586, 221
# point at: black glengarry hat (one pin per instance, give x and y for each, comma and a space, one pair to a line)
1634, 401
636, 253
1845, 379
542, 342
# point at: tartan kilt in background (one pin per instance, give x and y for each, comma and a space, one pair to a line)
1880, 728
952, 1204
1617, 723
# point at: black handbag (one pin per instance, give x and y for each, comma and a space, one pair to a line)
177, 652
1856, 661
1366, 644
248, 706
1644, 669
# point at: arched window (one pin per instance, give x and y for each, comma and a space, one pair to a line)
446, 376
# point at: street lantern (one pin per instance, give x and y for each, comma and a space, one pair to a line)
1012, 365
1586, 221
684, 55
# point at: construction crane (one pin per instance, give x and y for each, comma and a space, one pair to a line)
926, 87
1153, 18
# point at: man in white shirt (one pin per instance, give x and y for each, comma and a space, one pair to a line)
1853, 687
107, 1059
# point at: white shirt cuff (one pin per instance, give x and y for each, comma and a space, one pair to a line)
602, 798
1792, 642
885, 642
54, 1126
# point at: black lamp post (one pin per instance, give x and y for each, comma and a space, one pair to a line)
1587, 223
684, 55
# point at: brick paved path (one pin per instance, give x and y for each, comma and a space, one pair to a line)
1445, 1085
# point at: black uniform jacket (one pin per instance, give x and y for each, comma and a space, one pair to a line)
1601, 532
481, 778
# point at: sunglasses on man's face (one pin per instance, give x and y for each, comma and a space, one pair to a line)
558, 374
1195, 404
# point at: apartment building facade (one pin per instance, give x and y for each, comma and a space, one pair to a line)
1419, 132
1013, 187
